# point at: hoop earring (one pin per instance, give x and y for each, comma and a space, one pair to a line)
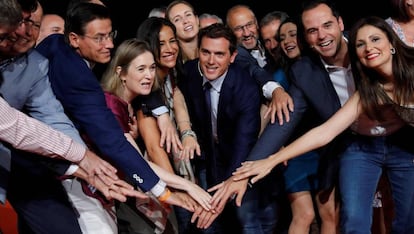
392, 50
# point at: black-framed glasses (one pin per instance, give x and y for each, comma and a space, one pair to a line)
250, 25
99, 39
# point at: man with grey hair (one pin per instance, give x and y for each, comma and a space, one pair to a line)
207, 19
10, 17
158, 12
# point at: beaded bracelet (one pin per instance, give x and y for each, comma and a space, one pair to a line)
165, 196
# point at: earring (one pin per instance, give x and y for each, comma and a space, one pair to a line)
392, 50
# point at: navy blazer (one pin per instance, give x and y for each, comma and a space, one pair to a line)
311, 89
238, 119
246, 60
82, 97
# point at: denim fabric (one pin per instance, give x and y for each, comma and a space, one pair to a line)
361, 166
258, 215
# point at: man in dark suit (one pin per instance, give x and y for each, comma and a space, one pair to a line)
227, 123
321, 82
252, 55
88, 31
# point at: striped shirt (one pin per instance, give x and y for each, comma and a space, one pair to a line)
26, 133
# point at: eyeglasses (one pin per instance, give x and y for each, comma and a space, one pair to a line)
250, 25
101, 38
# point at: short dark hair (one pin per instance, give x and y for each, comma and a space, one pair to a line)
79, 15
28, 5
310, 4
218, 30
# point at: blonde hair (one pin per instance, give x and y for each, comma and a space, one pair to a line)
125, 53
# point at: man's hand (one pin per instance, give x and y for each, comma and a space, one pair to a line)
111, 188
169, 135
281, 105
226, 190
118, 190
95, 166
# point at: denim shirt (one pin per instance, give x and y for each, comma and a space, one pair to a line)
26, 87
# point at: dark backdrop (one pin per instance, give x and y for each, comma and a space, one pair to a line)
127, 14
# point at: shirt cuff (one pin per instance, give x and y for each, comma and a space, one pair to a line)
159, 111
76, 152
158, 188
72, 168
269, 87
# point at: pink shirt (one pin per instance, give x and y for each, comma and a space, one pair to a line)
29, 134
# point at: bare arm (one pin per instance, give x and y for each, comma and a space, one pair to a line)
177, 182
150, 133
190, 144
315, 138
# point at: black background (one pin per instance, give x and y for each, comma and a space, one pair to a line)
128, 14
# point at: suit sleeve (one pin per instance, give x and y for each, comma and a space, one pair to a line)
260, 75
79, 91
247, 125
274, 136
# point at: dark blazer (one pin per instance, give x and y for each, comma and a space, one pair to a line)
238, 119
310, 89
246, 60
83, 99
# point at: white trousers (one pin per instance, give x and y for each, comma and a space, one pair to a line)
93, 218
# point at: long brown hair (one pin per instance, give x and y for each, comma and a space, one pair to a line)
369, 81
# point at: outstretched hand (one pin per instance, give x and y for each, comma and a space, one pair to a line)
228, 189
200, 195
95, 166
182, 199
204, 218
118, 190
255, 170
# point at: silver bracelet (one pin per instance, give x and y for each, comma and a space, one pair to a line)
188, 132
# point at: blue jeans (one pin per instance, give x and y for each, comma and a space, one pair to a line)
258, 215
361, 166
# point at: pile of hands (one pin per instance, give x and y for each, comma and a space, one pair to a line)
205, 207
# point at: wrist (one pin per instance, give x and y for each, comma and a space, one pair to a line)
158, 188
183, 125
165, 195
188, 132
